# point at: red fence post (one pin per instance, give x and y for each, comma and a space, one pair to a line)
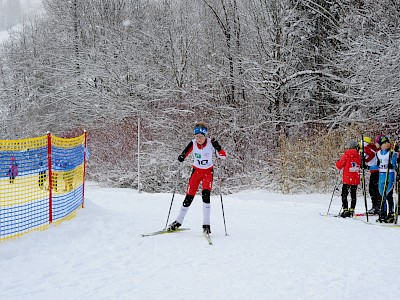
50, 177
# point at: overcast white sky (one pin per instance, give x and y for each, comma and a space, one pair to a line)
13, 11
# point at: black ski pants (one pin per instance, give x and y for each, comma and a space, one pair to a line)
353, 194
374, 190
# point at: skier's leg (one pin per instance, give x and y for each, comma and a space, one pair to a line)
345, 193
353, 194
184, 208
192, 187
206, 207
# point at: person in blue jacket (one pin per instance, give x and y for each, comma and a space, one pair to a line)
386, 161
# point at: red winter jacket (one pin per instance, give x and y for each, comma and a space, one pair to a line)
350, 162
370, 151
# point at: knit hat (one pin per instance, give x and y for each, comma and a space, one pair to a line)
383, 139
352, 144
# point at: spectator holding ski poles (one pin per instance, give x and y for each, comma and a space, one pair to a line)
202, 148
386, 162
350, 163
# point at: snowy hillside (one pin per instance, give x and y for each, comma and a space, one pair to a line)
278, 247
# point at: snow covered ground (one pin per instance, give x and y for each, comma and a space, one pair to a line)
279, 247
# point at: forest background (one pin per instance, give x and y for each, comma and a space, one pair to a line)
282, 84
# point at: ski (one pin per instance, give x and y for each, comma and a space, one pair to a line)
355, 216
377, 222
330, 215
382, 224
163, 232
208, 238
362, 220
364, 214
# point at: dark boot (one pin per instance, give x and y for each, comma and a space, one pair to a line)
173, 226
206, 229
351, 212
345, 213
382, 216
389, 218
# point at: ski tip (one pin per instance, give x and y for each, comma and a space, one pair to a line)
163, 232
208, 238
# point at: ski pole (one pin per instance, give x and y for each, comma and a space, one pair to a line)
340, 210
333, 193
363, 175
220, 195
396, 215
223, 213
173, 195
222, 204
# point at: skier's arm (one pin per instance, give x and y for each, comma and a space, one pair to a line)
341, 162
393, 163
368, 154
220, 152
186, 152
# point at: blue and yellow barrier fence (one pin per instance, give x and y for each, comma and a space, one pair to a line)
42, 181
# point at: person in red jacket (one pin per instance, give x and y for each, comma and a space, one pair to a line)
350, 162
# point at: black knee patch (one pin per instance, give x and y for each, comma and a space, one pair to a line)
188, 200
206, 196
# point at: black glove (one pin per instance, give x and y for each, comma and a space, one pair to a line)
390, 166
181, 157
216, 145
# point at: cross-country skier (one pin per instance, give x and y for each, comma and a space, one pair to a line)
387, 166
350, 162
370, 159
202, 148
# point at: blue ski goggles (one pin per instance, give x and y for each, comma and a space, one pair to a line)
201, 130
